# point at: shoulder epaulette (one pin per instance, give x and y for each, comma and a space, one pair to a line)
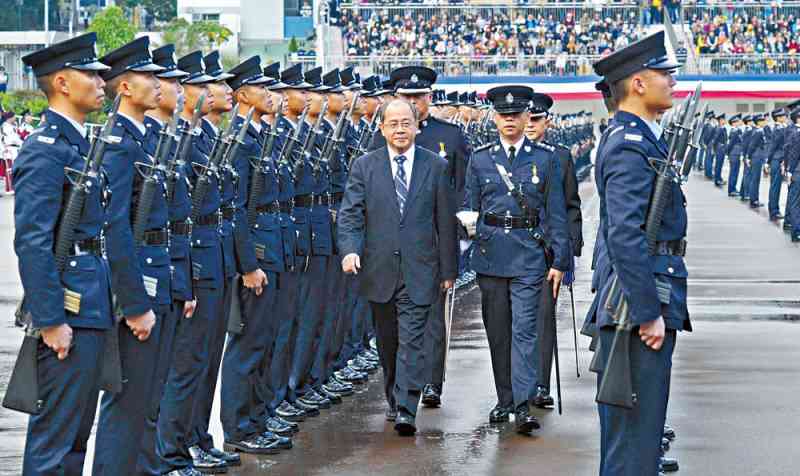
443, 121
483, 147
545, 146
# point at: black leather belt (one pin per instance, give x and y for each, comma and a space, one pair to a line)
671, 248
286, 207
273, 207
208, 220
510, 222
337, 197
156, 237
228, 213
89, 246
180, 228
304, 201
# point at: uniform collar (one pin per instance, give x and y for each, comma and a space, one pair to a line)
255, 125
213, 129
79, 128
134, 125
517, 145
154, 120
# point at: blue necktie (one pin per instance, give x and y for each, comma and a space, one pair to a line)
400, 182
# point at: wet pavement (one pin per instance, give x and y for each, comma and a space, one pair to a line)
734, 391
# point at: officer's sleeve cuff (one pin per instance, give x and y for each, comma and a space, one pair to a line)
135, 310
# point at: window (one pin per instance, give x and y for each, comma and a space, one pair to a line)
759, 108
742, 108
212, 17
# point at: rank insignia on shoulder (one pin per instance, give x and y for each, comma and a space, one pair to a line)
633, 137
482, 148
46, 140
114, 139
544, 146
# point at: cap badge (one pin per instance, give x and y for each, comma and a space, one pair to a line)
510, 98
414, 78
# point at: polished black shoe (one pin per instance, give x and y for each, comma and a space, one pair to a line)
391, 414
795, 238
257, 445
289, 412
786, 225
313, 399
404, 424
733, 194
205, 463
282, 442
756, 205
294, 426
333, 386
499, 414
543, 398
665, 445
279, 428
669, 465
432, 395
230, 458
189, 471
359, 366
310, 410
779, 216
669, 433
335, 398
371, 356
339, 382
324, 402
349, 375
525, 422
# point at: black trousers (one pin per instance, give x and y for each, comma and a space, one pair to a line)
547, 336
400, 332
435, 341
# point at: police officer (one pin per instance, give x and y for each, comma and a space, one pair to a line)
792, 158
179, 201
640, 78
776, 165
514, 191
70, 353
708, 138
413, 83
535, 130
757, 154
140, 267
257, 245
747, 134
734, 153
720, 145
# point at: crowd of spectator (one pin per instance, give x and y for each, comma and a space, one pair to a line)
511, 38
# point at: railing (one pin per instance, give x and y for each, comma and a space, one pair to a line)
554, 65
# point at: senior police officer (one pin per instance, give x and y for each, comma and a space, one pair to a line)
70, 355
640, 78
514, 191
535, 130
791, 153
141, 276
756, 151
734, 153
776, 163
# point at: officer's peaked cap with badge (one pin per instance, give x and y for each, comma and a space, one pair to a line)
780, 112
736, 118
710, 114
452, 98
747, 118
332, 82
473, 99
541, 104
510, 99
165, 57
349, 79
292, 78
134, 56
313, 77
720, 116
248, 73
371, 85
273, 72
193, 64
647, 53
214, 68
413, 79
76, 53
463, 99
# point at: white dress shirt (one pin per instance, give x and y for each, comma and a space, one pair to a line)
517, 146
408, 165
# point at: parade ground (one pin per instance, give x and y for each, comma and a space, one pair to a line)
735, 379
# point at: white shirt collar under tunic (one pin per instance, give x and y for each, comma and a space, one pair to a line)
408, 165
517, 146
78, 126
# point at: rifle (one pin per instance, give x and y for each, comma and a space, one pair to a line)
257, 180
330, 147
150, 179
694, 144
166, 140
22, 393
311, 140
287, 152
185, 140
574, 330
224, 145
367, 134
616, 387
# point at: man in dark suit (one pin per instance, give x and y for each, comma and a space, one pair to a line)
397, 214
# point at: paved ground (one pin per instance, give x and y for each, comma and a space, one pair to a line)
735, 380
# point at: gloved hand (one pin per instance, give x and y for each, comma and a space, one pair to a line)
469, 220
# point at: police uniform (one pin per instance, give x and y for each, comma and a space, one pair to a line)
776, 165
509, 256
708, 138
719, 146
747, 134
757, 152
180, 204
257, 246
141, 273
734, 153
792, 158
653, 286
185, 379
57, 436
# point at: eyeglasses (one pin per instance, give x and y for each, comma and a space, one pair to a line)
394, 125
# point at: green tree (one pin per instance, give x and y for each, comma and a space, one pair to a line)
18, 101
201, 35
293, 47
113, 29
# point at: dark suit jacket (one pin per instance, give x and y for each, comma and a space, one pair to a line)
420, 247
573, 200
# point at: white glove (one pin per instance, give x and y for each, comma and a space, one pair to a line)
469, 220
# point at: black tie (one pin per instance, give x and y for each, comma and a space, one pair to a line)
512, 154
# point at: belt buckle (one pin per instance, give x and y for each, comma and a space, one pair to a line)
507, 222
189, 227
